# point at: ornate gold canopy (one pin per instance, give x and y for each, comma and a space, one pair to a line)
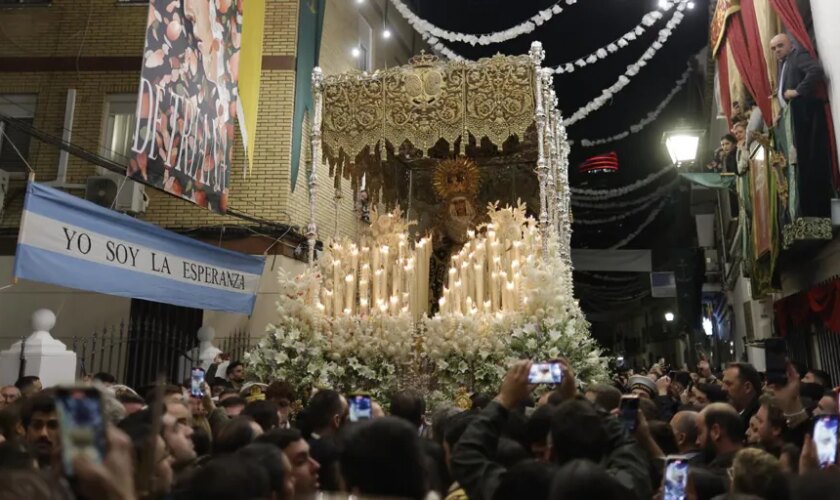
363, 121
425, 101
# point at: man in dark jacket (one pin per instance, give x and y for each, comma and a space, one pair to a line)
799, 78
605, 438
799, 73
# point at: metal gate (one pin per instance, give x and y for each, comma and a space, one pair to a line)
828, 344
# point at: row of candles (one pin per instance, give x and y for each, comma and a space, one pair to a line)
375, 279
485, 277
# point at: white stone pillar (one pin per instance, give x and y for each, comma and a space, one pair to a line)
46, 357
826, 14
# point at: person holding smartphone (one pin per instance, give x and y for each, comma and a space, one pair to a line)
578, 430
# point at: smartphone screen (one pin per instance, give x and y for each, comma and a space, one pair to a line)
628, 412
675, 479
775, 356
197, 383
82, 426
546, 373
360, 407
825, 439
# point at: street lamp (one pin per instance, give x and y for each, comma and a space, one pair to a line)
708, 328
682, 144
669, 317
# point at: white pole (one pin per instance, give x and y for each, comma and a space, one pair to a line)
318, 97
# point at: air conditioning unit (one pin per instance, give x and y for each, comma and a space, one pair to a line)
5, 178
116, 192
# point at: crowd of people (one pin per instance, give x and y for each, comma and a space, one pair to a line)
740, 437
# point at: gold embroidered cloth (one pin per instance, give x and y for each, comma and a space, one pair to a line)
425, 101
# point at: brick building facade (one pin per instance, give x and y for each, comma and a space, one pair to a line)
95, 47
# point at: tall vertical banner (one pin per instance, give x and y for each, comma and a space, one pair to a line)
187, 100
310, 24
760, 184
250, 62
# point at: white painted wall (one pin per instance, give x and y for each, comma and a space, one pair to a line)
826, 13
265, 310
78, 313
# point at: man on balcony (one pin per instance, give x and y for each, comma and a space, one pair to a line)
799, 78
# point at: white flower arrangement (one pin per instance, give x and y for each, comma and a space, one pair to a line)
442, 356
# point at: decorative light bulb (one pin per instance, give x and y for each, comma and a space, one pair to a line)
355, 52
386, 33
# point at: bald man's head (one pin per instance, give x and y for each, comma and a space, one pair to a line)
781, 46
720, 430
684, 425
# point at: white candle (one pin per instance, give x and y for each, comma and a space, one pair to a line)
397, 278
442, 304
349, 293
377, 286
494, 290
354, 261
466, 278
364, 282
385, 262
410, 295
328, 303
394, 301
363, 305
336, 287
479, 284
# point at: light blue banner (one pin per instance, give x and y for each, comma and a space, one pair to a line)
71, 242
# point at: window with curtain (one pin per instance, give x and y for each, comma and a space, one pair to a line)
20, 107
119, 126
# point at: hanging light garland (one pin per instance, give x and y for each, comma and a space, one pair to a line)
427, 29
647, 120
614, 218
606, 194
632, 70
629, 203
601, 53
630, 237
625, 40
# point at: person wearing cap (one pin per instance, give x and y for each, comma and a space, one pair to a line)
642, 386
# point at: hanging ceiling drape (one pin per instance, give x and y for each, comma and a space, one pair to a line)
744, 40
723, 83
792, 19
821, 302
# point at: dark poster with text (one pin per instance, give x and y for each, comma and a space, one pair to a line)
186, 105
